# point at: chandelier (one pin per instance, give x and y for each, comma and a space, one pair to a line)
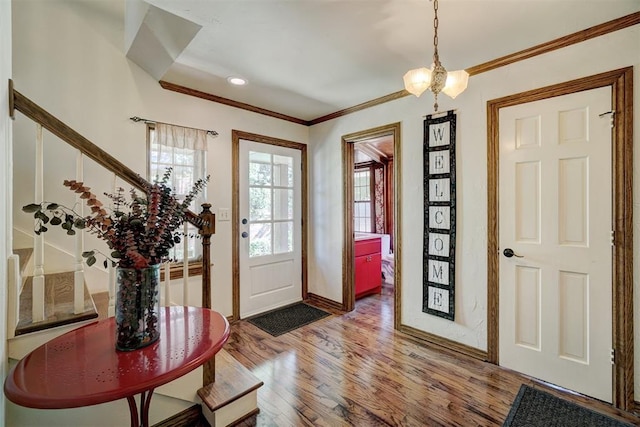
436, 79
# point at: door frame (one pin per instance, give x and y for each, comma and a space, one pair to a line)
621, 83
348, 270
236, 136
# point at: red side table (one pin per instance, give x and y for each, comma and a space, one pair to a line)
82, 367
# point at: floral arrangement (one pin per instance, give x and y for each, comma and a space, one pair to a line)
139, 231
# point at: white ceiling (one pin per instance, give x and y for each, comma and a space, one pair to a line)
309, 58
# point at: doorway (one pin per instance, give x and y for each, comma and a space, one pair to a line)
501, 259
366, 149
269, 234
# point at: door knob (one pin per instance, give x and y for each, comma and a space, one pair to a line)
244, 221
508, 252
244, 234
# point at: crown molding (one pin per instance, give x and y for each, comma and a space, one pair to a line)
226, 101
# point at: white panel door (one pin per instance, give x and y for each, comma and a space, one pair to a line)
555, 215
270, 227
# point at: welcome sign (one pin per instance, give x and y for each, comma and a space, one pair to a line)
439, 215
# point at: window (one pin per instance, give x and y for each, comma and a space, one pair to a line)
362, 212
271, 204
170, 147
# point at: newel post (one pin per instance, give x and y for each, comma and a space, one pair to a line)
207, 227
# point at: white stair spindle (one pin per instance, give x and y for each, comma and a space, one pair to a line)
112, 271
13, 295
78, 275
112, 290
185, 265
167, 284
37, 307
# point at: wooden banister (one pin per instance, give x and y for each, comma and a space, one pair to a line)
54, 125
73, 138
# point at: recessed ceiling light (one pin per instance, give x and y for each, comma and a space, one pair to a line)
238, 81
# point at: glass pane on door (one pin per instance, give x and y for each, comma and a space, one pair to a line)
260, 204
271, 204
283, 237
260, 240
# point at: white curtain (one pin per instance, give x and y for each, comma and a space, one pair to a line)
184, 150
181, 137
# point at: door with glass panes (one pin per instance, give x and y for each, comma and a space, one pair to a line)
270, 227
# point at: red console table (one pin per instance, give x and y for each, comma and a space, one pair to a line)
82, 367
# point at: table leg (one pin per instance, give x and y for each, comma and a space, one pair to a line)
145, 404
141, 420
133, 410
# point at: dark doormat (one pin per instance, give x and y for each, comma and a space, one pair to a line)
537, 408
285, 319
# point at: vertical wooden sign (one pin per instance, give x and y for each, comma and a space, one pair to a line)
439, 216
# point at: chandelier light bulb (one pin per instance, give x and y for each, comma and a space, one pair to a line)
436, 79
417, 81
456, 83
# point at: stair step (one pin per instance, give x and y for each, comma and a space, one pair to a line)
58, 304
233, 382
101, 301
24, 255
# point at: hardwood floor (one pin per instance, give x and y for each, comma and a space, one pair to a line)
355, 369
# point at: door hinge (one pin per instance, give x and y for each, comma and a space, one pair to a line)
613, 237
612, 116
613, 356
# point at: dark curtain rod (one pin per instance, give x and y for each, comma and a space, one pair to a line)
153, 122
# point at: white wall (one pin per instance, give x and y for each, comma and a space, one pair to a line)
69, 59
5, 181
616, 50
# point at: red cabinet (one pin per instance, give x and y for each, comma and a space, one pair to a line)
368, 266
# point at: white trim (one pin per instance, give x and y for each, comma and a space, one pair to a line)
6, 182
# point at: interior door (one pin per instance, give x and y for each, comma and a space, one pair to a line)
555, 241
270, 227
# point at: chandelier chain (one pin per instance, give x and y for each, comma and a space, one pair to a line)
436, 57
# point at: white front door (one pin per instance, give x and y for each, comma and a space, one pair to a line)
555, 215
270, 227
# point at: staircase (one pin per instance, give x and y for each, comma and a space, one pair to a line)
58, 304
59, 309
63, 302
229, 401
233, 397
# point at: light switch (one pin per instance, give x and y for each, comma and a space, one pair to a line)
223, 214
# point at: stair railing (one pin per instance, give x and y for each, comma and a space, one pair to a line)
204, 222
37, 308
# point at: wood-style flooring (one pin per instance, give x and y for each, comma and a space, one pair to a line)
354, 369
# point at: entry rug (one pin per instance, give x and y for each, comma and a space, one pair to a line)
286, 319
537, 408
